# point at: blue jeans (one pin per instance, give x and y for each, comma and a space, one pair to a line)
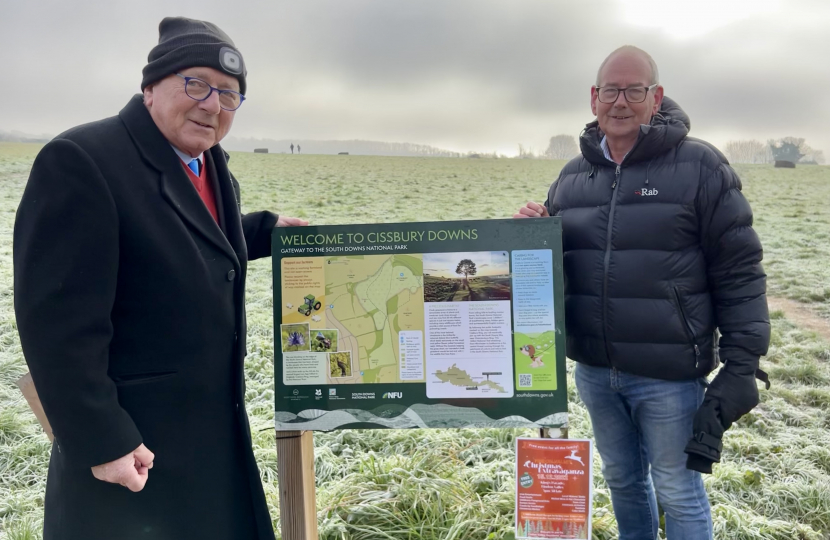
641, 426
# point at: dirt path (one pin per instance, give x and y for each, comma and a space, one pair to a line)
461, 294
801, 315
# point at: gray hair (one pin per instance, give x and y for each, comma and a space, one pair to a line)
655, 75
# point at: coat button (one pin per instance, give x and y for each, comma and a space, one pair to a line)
231, 274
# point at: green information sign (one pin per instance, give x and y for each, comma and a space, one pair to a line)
419, 325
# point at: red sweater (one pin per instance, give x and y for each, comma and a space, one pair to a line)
204, 188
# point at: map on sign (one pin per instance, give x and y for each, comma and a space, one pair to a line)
374, 304
373, 299
458, 377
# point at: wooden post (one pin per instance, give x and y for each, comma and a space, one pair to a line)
27, 386
298, 498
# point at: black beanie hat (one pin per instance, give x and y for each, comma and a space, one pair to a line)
185, 43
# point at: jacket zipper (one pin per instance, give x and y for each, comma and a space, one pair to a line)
687, 325
607, 262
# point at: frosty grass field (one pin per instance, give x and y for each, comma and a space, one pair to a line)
773, 483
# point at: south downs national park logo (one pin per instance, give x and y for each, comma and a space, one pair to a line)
646, 192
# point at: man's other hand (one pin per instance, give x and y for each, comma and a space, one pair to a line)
286, 221
532, 209
130, 471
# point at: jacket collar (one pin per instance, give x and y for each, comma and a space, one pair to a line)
667, 130
176, 188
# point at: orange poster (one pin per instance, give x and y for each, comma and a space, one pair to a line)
553, 488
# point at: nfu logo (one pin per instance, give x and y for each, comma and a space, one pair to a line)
392, 395
646, 192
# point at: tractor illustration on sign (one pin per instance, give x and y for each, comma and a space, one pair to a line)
310, 304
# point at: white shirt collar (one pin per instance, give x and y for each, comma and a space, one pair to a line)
602, 144
186, 157
607, 151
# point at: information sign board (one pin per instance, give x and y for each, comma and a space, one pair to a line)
445, 324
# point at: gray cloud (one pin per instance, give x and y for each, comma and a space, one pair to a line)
466, 74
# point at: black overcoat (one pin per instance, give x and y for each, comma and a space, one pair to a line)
130, 303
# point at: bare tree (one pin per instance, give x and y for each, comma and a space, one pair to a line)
817, 156
809, 154
562, 147
749, 151
526, 153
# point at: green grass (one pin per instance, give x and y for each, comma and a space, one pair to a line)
792, 216
773, 484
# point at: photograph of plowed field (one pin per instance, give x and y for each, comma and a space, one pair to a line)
438, 289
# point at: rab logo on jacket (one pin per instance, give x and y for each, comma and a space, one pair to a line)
646, 192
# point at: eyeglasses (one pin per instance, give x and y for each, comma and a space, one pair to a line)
633, 94
199, 90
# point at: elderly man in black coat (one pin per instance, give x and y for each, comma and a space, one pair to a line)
663, 278
130, 254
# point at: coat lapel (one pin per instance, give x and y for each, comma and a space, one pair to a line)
226, 200
176, 187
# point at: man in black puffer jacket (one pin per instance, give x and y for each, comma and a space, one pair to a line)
659, 256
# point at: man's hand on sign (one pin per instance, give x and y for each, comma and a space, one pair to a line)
532, 209
285, 221
130, 471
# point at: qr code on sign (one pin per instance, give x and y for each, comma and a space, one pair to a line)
525, 380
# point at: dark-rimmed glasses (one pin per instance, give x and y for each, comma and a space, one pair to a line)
633, 94
197, 89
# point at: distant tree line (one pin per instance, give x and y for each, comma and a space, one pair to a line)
353, 147
793, 149
559, 147
748, 151
798, 146
490, 155
18, 136
562, 147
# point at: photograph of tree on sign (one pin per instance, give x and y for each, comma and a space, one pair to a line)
462, 277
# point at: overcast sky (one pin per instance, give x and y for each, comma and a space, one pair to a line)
463, 75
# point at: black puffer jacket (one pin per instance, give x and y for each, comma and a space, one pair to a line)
659, 252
